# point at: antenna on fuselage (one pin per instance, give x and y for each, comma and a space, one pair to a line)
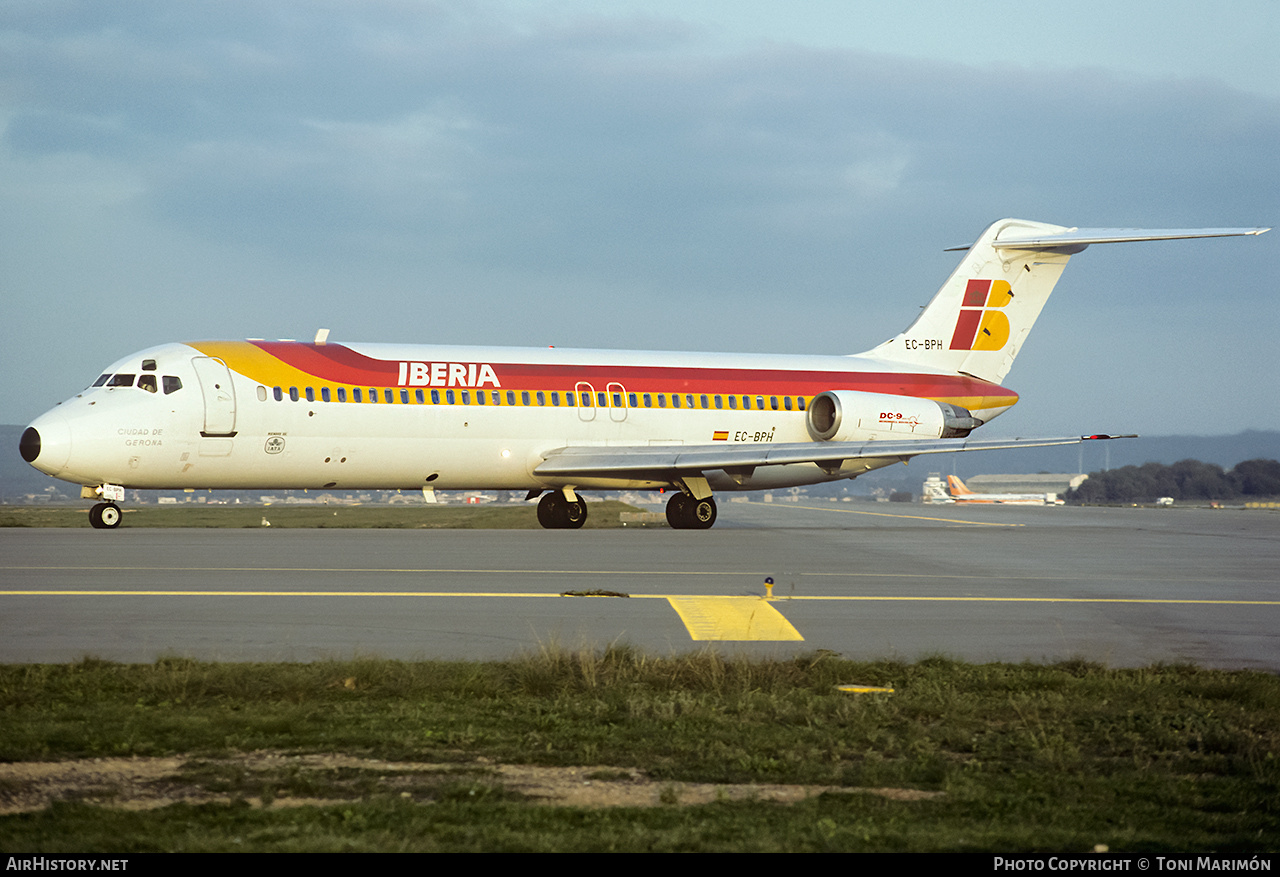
322, 336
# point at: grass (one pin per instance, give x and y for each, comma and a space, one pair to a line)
401, 517
1027, 757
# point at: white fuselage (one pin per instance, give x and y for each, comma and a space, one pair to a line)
286, 415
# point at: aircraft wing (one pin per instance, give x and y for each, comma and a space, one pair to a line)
660, 462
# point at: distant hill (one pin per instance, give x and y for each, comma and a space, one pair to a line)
18, 479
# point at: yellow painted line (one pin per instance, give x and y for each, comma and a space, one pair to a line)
863, 689
817, 508
733, 618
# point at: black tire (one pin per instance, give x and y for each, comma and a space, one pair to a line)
110, 516
551, 511
678, 512
702, 513
574, 514
95, 515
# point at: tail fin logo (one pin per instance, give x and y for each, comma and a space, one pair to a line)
981, 325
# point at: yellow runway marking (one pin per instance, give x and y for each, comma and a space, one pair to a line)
816, 508
733, 618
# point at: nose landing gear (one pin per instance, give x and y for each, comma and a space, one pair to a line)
105, 516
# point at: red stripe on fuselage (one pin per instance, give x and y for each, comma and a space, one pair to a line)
334, 363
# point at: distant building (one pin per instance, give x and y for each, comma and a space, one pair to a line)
1040, 483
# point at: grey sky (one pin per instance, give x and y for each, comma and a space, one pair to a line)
677, 176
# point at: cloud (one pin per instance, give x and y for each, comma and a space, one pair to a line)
619, 167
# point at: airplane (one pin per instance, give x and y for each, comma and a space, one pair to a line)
961, 494
259, 414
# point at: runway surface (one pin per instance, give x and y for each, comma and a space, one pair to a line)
1120, 586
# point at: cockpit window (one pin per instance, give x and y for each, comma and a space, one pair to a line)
100, 381
148, 383
121, 381
148, 365
171, 384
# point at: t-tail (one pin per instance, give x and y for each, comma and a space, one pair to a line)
981, 316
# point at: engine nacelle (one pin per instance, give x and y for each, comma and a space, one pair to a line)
849, 415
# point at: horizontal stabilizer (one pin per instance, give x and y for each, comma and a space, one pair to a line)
1078, 238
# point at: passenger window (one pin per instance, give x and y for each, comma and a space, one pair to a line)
675, 400
275, 391
800, 402
617, 400
311, 395
373, 394
404, 397
389, 395
448, 396
786, 401
262, 394
631, 400
733, 402
662, 400
497, 398
293, 394
355, 394
760, 402
688, 398
417, 394
511, 397
173, 384
773, 402
648, 401
342, 394
121, 381
100, 381
542, 398
524, 397
324, 394
435, 397
586, 400
555, 400
602, 400
703, 400
148, 383
746, 403
466, 397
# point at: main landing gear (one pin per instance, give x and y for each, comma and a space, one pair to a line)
105, 516
686, 513
557, 513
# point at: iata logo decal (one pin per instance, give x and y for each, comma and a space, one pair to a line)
274, 445
447, 374
981, 325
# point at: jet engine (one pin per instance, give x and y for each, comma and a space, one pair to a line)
849, 415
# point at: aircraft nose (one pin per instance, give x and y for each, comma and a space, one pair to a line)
46, 443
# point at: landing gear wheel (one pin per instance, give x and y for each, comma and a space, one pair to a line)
557, 513
550, 510
686, 513
105, 516
702, 513
575, 514
677, 516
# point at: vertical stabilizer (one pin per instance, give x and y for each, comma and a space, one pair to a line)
981, 316
983, 313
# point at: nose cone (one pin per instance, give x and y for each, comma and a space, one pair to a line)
46, 443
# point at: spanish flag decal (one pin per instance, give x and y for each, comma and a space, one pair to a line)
720, 435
